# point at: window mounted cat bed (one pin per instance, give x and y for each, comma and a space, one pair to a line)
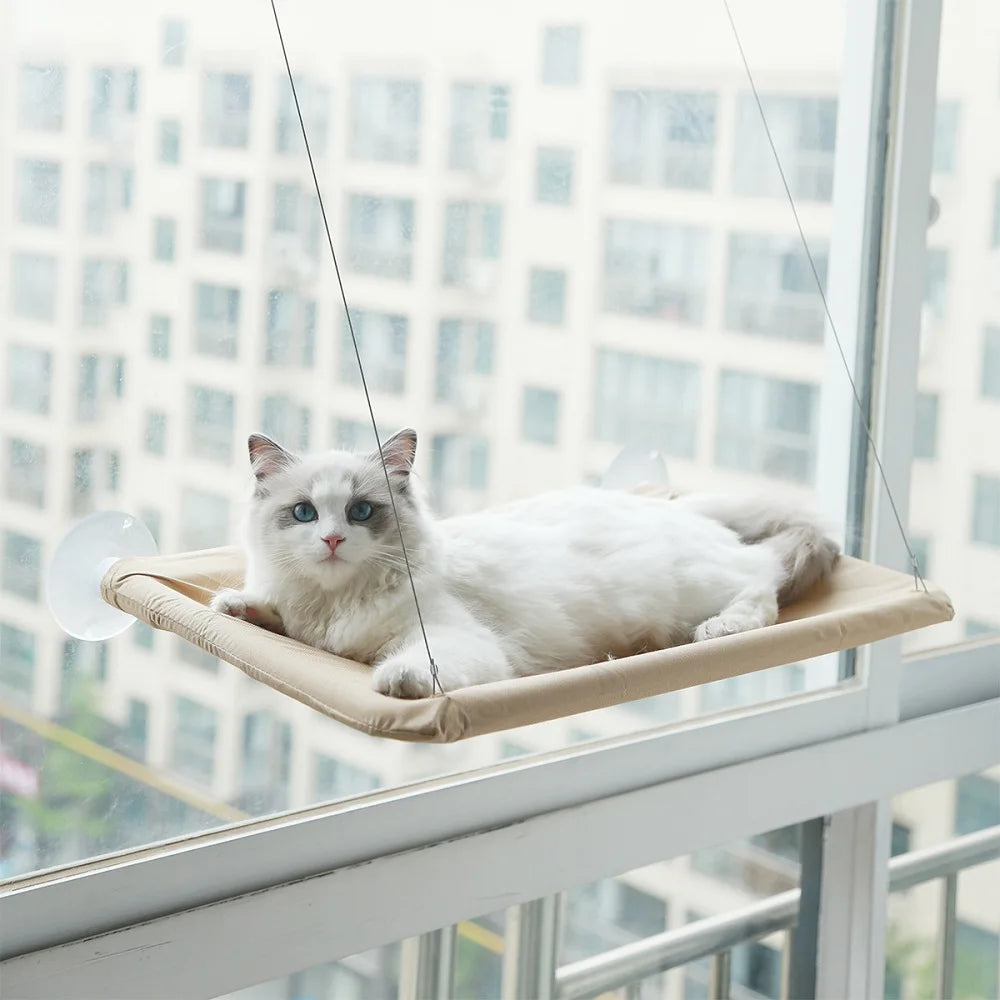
861, 603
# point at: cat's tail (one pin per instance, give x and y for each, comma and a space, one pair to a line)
798, 535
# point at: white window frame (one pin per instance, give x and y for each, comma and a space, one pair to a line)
226, 909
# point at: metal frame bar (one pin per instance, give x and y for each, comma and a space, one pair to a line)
52, 908
634, 962
851, 955
263, 935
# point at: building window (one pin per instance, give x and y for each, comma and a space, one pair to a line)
547, 296
266, 760
464, 353
356, 435
26, 467
113, 470
226, 111
473, 232
805, 132
42, 97
925, 429
647, 402
976, 629
17, 663
159, 336
945, 136
561, 55
605, 915
143, 636
217, 320
88, 388
38, 192
164, 239
22, 565
900, 839
105, 284
977, 961
193, 751
382, 344
655, 269
282, 419
109, 191
766, 426
936, 282
921, 553
286, 208
385, 120
314, 99
33, 286
986, 510
480, 118
114, 99
82, 491
990, 384
212, 418
135, 733
540, 415
223, 206
173, 43
336, 779
380, 235
771, 289
204, 520
977, 803
459, 462
554, 176
152, 519
291, 330
29, 379
170, 141
663, 138
155, 437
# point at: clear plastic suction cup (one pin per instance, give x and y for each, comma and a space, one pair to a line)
86, 553
635, 467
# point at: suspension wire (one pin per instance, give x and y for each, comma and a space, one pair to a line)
435, 679
917, 575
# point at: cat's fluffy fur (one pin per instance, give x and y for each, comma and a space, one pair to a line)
554, 581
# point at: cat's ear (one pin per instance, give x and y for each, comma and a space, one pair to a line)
399, 451
266, 457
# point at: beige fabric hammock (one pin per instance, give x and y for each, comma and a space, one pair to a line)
861, 604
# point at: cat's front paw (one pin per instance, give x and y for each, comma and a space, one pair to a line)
404, 679
238, 604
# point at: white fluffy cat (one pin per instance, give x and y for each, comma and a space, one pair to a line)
555, 581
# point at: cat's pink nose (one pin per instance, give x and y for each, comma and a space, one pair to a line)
333, 541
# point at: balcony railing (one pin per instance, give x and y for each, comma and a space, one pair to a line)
530, 971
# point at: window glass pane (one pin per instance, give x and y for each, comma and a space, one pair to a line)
663, 138
561, 55
550, 253
554, 178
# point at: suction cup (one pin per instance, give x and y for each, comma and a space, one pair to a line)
86, 553
635, 467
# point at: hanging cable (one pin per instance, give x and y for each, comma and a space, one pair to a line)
436, 682
917, 575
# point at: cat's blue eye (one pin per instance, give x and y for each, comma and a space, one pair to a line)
360, 511
304, 511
